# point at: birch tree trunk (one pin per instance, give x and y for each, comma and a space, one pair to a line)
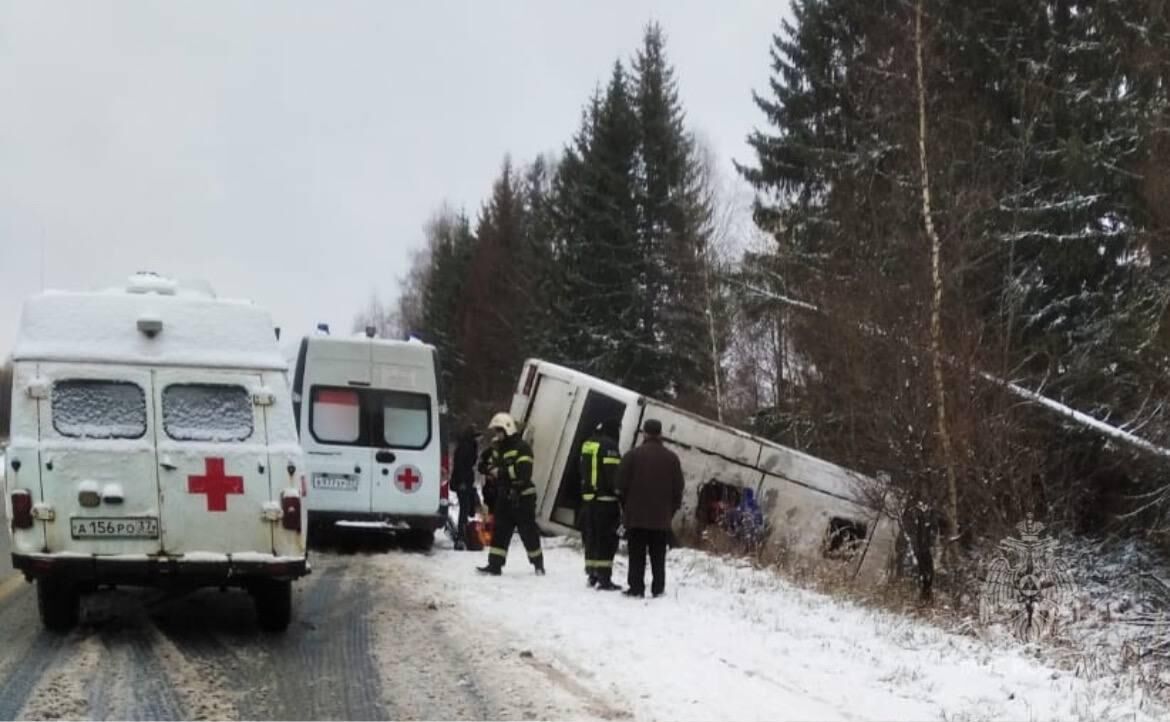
709, 290
936, 343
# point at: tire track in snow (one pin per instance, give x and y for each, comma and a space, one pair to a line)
329, 639
341, 643
27, 652
351, 654
321, 667
794, 689
17, 631
128, 685
64, 691
594, 703
34, 662
194, 673
427, 675
105, 669
153, 696
292, 696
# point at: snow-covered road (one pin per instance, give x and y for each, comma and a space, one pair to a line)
362, 646
731, 642
380, 633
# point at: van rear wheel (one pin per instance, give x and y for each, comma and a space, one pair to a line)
273, 601
419, 539
59, 604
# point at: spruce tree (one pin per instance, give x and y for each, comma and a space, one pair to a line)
672, 226
495, 324
596, 242
452, 247
537, 262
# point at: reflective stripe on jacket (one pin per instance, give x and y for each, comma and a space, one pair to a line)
598, 466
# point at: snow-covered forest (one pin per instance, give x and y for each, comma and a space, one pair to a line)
957, 207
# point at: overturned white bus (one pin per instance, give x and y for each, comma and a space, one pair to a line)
814, 508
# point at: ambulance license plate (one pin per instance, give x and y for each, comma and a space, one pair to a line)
335, 482
137, 527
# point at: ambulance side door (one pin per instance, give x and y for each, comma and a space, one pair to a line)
336, 440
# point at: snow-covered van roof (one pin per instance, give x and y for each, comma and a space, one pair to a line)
153, 321
372, 360
325, 345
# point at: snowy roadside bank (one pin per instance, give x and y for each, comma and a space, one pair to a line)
732, 642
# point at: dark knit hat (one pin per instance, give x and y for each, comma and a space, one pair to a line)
652, 427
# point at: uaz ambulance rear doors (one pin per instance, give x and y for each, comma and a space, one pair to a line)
141, 461
97, 457
213, 461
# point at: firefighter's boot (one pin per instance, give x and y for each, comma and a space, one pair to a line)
605, 584
489, 568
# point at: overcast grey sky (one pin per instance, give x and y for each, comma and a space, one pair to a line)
290, 152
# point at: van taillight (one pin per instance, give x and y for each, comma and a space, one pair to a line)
290, 513
22, 517
445, 476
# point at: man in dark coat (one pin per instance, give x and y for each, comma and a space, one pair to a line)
650, 485
463, 481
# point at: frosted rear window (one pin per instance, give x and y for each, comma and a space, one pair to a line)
336, 415
99, 409
207, 412
406, 419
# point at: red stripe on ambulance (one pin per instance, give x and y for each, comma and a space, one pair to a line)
339, 398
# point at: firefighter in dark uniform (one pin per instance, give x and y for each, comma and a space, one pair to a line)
511, 465
600, 512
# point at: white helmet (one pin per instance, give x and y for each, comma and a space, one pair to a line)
505, 422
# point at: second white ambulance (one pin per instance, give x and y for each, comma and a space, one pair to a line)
370, 417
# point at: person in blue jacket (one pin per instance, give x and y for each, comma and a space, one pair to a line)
746, 521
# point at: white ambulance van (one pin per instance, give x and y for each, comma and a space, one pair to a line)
370, 416
153, 444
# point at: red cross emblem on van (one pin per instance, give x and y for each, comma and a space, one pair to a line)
216, 484
407, 478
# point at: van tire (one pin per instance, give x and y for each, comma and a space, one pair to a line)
273, 601
421, 540
59, 604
